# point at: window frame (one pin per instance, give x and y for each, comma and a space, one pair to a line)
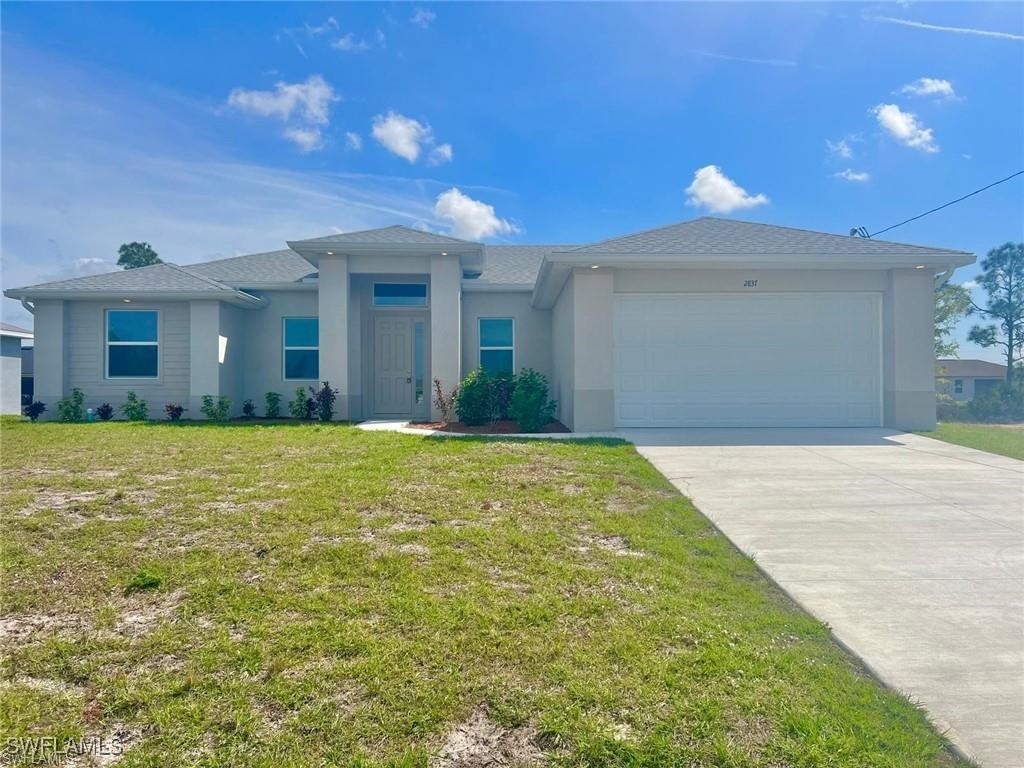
958, 386
480, 348
285, 347
407, 307
107, 344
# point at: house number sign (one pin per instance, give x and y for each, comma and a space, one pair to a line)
750, 283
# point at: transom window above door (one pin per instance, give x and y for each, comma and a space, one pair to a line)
400, 294
497, 345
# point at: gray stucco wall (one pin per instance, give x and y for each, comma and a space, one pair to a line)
532, 329
233, 322
563, 353
10, 375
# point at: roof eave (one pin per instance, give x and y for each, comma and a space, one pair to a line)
238, 298
470, 254
937, 259
472, 286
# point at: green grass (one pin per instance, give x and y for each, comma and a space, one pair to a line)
1004, 440
317, 595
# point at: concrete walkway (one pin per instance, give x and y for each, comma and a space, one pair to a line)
911, 549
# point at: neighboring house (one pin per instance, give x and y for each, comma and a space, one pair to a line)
709, 322
964, 380
11, 337
27, 382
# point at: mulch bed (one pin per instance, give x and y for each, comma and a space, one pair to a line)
501, 427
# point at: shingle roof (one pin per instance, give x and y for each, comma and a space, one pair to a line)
970, 369
156, 278
709, 236
396, 234
255, 268
513, 264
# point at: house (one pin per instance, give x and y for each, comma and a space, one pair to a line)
11, 338
709, 322
963, 380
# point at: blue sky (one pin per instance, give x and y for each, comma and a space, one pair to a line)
212, 130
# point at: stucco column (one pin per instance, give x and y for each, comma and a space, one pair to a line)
445, 325
909, 342
333, 300
50, 373
594, 374
204, 354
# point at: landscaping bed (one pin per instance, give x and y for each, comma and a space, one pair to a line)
500, 427
313, 594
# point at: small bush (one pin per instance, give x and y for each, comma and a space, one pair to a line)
502, 387
474, 402
272, 405
35, 410
218, 409
72, 408
530, 405
173, 411
248, 409
135, 409
444, 401
1003, 404
143, 580
105, 412
322, 402
299, 407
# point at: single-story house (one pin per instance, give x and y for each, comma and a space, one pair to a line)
705, 323
11, 338
963, 380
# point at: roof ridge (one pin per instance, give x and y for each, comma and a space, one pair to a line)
197, 276
241, 256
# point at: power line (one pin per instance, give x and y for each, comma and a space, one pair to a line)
939, 208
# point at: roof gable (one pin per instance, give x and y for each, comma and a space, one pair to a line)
969, 369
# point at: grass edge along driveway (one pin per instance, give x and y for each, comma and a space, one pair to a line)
315, 594
1005, 440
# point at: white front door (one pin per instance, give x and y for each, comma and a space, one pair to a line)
392, 366
748, 360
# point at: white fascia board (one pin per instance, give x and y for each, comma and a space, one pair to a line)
238, 298
471, 286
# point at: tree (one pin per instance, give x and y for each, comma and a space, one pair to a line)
1002, 278
951, 303
132, 255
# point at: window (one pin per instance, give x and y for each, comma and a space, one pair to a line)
302, 348
958, 386
417, 357
399, 294
133, 347
497, 345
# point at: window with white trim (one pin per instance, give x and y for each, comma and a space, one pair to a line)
132, 343
302, 348
497, 345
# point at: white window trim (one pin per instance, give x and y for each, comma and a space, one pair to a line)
107, 344
406, 307
481, 348
285, 347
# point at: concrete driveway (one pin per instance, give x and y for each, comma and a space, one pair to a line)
911, 549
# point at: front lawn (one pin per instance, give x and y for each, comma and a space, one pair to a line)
317, 595
994, 438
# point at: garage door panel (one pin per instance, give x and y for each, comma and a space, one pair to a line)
748, 360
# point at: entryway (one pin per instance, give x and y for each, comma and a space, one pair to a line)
399, 366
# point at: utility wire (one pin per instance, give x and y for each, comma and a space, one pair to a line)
946, 205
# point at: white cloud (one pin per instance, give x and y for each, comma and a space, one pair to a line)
840, 148
440, 154
905, 128
851, 175
939, 28
382, 41
423, 18
470, 219
349, 44
353, 141
744, 59
930, 86
970, 285
310, 100
715, 191
306, 139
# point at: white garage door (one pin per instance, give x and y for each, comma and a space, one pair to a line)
748, 360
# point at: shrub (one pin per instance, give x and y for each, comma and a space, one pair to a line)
1003, 404
218, 409
273, 404
298, 408
71, 408
248, 409
444, 401
143, 580
35, 410
530, 405
105, 412
322, 402
951, 411
503, 385
173, 411
135, 409
474, 402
